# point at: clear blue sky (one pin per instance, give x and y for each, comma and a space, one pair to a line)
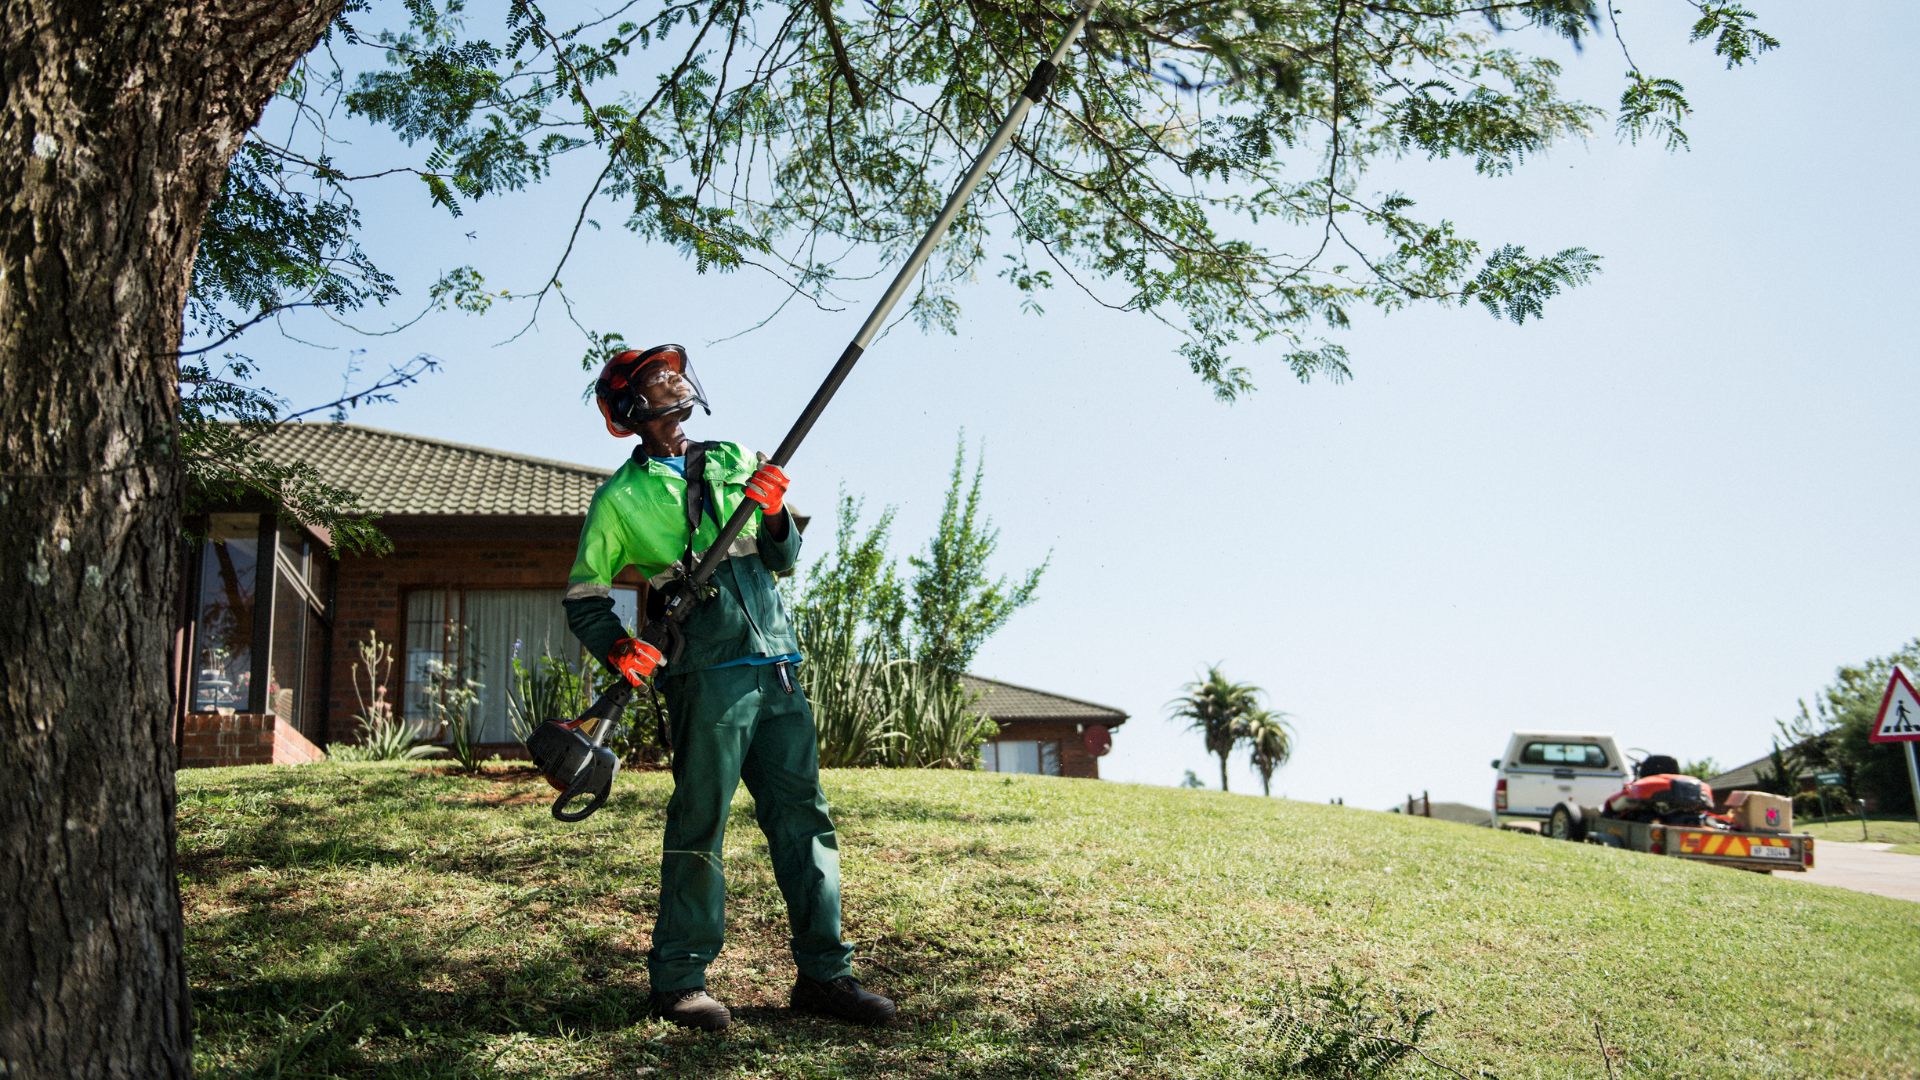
1667, 511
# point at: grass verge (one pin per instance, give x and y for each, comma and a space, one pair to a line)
1900, 830
380, 920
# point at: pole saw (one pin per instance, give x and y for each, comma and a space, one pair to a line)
583, 767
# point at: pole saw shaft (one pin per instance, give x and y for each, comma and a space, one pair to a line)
1030, 95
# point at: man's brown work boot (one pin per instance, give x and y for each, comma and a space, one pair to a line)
841, 997
691, 1008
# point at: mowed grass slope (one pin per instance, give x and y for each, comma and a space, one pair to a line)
392, 921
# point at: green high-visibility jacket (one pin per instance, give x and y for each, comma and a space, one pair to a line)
638, 518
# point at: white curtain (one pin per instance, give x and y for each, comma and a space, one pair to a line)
427, 639
502, 623
499, 624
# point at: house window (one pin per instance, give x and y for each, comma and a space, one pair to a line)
1040, 758
261, 629
479, 632
296, 691
223, 643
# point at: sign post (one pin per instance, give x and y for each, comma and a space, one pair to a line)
1899, 721
1821, 782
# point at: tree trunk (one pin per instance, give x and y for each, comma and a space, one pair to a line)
115, 131
1223, 772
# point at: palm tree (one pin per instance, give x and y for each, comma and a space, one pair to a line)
1218, 710
1271, 738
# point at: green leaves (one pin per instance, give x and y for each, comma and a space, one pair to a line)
265, 246
1733, 38
1206, 166
1653, 106
1497, 130
463, 289
1327, 360
1516, 286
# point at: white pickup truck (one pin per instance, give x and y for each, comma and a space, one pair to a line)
1545, 768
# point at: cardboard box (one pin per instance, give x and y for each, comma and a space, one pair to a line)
1757, 811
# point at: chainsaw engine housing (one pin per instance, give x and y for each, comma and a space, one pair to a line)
574, 764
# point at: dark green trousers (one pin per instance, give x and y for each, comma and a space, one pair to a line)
733, 724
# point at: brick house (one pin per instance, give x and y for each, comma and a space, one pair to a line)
1042, 732
268, 661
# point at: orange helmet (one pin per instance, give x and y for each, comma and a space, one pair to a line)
618, 389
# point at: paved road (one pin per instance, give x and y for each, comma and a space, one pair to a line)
1867, 868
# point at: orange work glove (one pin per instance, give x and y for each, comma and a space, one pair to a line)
634, 659
768, 487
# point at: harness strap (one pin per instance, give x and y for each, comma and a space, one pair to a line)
699, 494
701, 501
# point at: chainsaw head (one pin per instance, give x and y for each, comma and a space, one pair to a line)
574, 765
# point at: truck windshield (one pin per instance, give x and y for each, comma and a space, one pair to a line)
1585, 755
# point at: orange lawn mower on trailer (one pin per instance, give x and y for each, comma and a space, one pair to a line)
1663, 811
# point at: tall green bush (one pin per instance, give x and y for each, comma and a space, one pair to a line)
842, 679
933, 719
956, 605
882, 674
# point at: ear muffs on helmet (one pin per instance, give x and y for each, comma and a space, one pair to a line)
618, 431
618, 390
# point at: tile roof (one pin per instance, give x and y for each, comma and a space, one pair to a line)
1746, 776
396, 473
1005, 702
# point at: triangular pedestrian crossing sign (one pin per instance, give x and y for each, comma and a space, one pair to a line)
1899, 719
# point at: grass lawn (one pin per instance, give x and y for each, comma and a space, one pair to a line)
1897, 829
380, 920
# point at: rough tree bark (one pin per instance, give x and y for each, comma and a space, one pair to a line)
115, 131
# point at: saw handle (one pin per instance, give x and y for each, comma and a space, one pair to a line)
605, 710
590, 780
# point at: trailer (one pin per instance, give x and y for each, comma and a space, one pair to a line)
1757, 851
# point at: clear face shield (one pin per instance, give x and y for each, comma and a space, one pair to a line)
637, 388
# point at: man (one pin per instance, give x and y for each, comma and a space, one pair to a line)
734, 709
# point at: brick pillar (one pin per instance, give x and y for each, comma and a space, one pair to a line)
212, 740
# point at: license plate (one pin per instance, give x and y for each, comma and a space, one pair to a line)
1769, 851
